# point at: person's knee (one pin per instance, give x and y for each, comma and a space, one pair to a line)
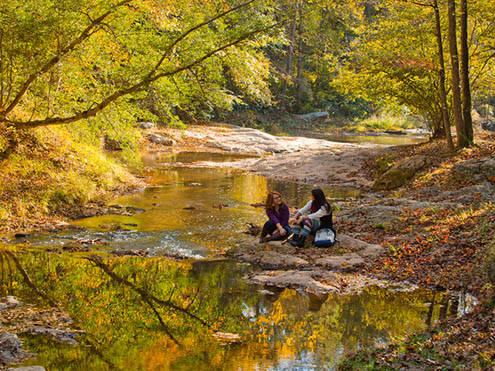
269, 225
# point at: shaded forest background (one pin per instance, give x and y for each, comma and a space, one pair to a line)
106, 65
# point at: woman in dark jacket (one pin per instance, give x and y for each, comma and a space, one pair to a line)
316, 214
277, 227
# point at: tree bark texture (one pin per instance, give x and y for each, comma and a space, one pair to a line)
465, 87
443, 93
290, 53
462, 140
299, 62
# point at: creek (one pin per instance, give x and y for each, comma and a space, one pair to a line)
141, 313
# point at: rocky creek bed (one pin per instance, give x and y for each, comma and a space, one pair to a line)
384, 236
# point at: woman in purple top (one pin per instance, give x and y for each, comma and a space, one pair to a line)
277, 211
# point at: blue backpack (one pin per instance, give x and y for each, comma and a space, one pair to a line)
325, 237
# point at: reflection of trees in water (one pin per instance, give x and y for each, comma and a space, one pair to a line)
132, 305
124, 303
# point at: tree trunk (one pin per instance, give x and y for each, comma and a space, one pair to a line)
290, 53
466, 89
443, 93
456, 91
299, 62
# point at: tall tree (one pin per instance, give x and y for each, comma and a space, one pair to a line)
462, 140
465, 85
441, 73
290, 54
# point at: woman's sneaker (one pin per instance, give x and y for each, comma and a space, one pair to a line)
294, 240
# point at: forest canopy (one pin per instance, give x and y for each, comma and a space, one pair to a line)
128, 60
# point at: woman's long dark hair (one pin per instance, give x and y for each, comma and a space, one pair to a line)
320, 200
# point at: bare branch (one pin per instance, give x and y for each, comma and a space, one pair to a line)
27, 279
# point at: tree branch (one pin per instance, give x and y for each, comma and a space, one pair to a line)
85, 34
27, 279
144, 294
148, 79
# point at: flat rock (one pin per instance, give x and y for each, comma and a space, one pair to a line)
484, 166
319, 281
360, 247
61, 335
283, 256
484, 191
401, 172
294, 280
11, 348
276, 259
27, 368
346, 262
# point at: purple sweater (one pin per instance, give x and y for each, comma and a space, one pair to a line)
281, 217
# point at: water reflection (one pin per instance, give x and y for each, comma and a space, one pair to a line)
186, 157
191, 211
145, 314
383, 139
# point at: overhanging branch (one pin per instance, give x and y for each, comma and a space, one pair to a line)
148, 79
85, 34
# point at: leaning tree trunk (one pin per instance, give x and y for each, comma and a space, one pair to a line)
443, 93
462, 140
466, 90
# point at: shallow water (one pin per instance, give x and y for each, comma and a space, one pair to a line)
129, 323
383, 139
147, 313
191, 212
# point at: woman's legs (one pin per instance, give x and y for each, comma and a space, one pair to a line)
306, 229
308, 225
268, 228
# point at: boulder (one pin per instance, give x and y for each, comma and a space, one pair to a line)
488, 125
112, 144
11, 348
9, 302
146, 125
159, 139
401, 172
